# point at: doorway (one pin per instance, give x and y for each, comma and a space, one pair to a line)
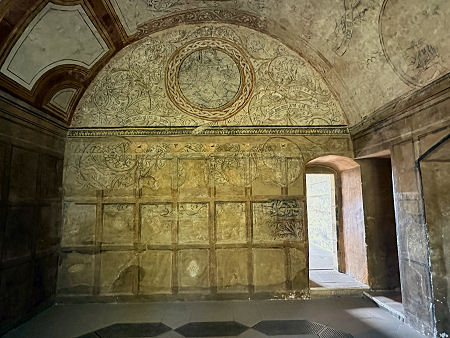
321, 221
331, 258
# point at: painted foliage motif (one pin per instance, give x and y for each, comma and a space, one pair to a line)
355, 13
274, 87
286, 219
209, 78
186, 215
120, 162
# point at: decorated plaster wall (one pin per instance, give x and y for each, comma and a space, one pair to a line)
182, 175
375, 50
370, 52
220, 74
178, 215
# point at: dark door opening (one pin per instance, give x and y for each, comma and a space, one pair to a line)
381, 234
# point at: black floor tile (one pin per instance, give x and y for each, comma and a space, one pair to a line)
332, 333
89, 335
211, 329
297, 327
286, 327
129, 330
214, 329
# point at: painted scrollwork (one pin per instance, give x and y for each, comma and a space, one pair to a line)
355, 12
276, 87
119, 162
412, 35
211, 62
122, 164
286, 219
269, 161
230, 169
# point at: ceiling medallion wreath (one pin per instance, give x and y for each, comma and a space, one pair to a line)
209, 78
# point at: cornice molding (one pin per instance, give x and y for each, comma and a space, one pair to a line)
405, 105
22, 112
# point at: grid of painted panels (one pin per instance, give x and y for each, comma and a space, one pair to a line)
200, 227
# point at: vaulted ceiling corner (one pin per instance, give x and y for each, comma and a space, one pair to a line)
368, 52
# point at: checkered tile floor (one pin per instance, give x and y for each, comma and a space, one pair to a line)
322, 317
298, 328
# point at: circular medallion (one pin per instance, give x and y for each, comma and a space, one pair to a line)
209, 78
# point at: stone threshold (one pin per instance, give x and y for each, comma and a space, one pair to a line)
385, 301
321, 292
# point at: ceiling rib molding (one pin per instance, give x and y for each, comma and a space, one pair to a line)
57, 35
56, 77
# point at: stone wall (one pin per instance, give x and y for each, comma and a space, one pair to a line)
435, 171
408, 128
31, 152
179, 217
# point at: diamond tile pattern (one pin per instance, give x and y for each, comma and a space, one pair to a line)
130, 330
280, 327
211, 329
223, 329
332, 333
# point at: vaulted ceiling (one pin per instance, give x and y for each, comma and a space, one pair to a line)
368, 52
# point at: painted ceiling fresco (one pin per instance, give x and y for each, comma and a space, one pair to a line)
369, 52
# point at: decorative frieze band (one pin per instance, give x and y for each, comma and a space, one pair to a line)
202, 16
211, 131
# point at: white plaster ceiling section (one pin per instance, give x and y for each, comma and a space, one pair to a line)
63, 98
57, 35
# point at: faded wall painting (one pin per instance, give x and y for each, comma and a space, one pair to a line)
187, 215
216, 74
212, 203
413, 35
355, 14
